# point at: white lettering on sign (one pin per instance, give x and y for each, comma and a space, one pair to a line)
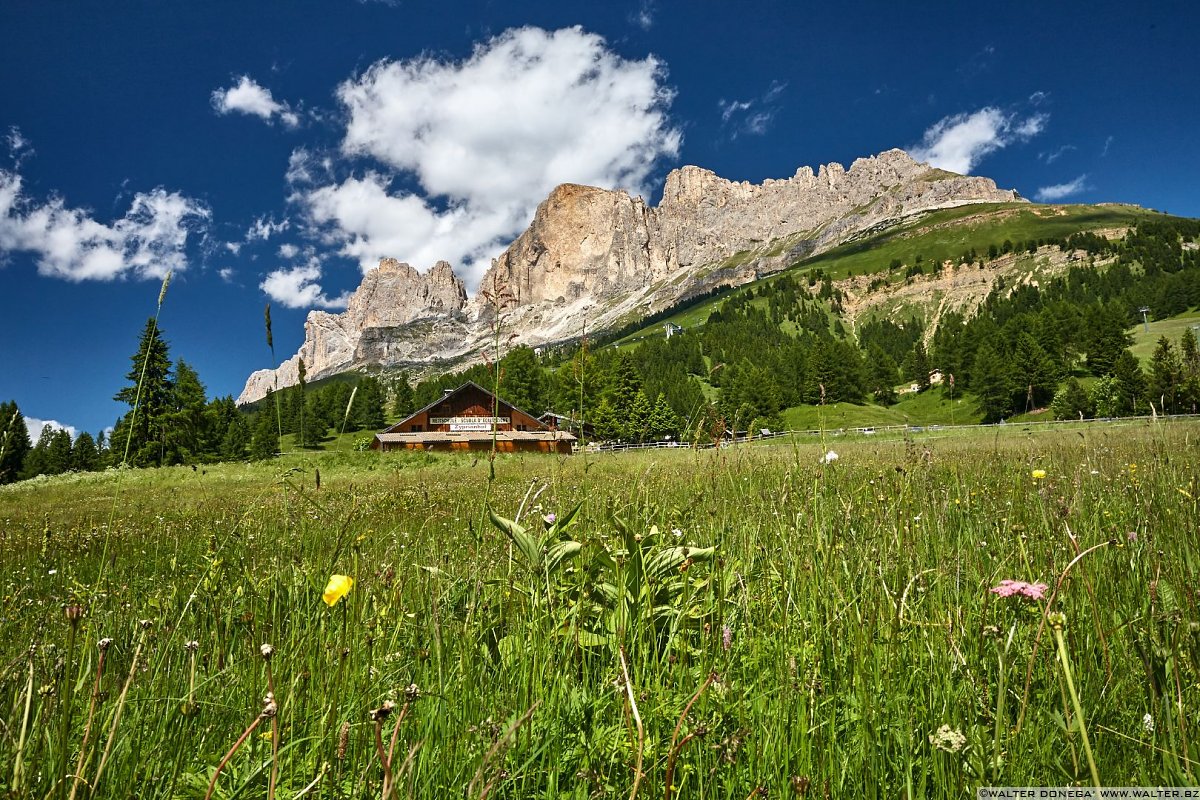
469, 420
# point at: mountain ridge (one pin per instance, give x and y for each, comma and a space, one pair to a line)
598, 258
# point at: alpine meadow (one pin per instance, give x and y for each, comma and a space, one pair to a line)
504, 402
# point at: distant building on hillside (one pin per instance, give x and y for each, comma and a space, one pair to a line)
468, 418
671, 329
562, 422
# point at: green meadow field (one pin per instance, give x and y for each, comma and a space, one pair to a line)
747, 622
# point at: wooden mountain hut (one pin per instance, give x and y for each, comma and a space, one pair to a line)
468, 418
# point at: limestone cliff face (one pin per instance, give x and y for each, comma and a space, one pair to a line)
601, 257
391, 297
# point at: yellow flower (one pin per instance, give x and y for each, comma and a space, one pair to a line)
337, 588
1039, 474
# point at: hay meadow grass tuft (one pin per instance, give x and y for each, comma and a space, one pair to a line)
745, 622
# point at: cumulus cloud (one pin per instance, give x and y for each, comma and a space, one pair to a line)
464, 151
248, 97
226, 274
288, 250
957, 143
1056, 192
299, 287
35, 426
68, 243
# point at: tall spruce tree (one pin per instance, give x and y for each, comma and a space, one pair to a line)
402, 399
140, 436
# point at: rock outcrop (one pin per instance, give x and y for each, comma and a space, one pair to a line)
602, 257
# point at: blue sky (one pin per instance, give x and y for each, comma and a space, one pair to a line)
269, 152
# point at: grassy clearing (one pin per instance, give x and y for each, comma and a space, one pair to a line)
1172, 328
845, 614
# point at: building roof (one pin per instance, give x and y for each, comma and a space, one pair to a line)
447, 396
477, 436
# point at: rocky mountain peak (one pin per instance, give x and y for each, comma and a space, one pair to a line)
601, 257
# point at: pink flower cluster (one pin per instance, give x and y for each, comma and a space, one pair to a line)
1034, 591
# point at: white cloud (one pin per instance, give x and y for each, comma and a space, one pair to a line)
234, 247
19, 147
298, 287
483, 141
957, 143
643, 15
226, 274
248, 97
266, 227
1050, 194
1107, 144
1054, 155
1038, 97
751, 116
35, 426
288, 250
68, 243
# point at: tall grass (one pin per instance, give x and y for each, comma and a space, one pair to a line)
843, 640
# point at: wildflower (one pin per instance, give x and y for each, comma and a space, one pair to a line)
1007, 588
1039, 474
726, 638
1148, 724
677, 533
337, 588
104, 643
267, 651
829, 457
1132, 536
412, 692
948, 739
192, 646
550, 518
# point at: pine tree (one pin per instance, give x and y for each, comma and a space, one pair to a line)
368, 405
883, 376
37, 460
238, 435
1166, 377
187, 425
637, 424
140, 440
663, 421
1131, 384
84, 455
991, 384
605, 421
14, 442
264, 442
402, 399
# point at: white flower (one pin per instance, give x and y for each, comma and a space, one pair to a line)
829, 457
1148, 724
948, 739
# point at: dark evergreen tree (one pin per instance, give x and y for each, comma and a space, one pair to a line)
1131, 385
264, 442
1166, 377
992, 385
85, 457
882, 375
368, 405
238, 435
14, 442
140, 437
187, 424
402, 397
37, 460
